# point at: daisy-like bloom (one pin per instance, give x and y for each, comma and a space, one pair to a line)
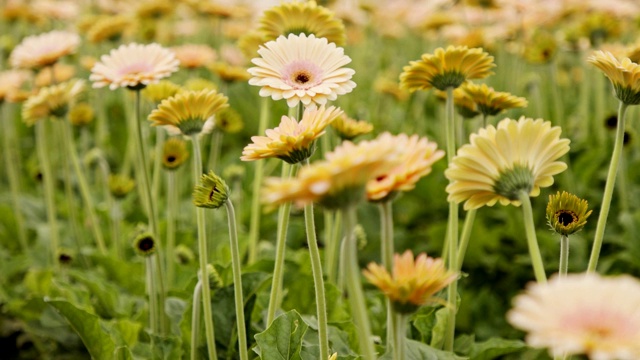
133, 66
417, 157
390, 87
229, 73
302, 17
541, 48
348, 128
211, 193
43, 50
499, 163
51, 101
292, 141
109, 28
192, 56
567, 213
465, 106
582, 314
250, 42
174, 153
491, 102
624, 75
145, 244
302, 68
120, 185
154, 9
229, 121
412, 282
446, 68
161, 90
11, 81
188, 111
62, 73
81, 114
197, 84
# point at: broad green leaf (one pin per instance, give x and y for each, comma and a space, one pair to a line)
494, 348
175, 310
440, 328
415, 350
166, 348
128, 331
105, 295
424, 321
463, 343
38, 281
283, 339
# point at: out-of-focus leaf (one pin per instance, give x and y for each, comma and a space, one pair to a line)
415, 350
494, 348
283, 339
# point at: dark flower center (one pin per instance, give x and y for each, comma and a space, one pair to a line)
302, 78
566, 217
171, 158
146, 244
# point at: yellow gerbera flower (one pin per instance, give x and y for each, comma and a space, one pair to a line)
174, 153
567, 213
302, 17
109, 28
229, 73
446, 68
499, 163
292, 141
11, 81
61, 72
192, 56
491, 102
624, 75
51, 101
348, 128
161, 90
188, 111
412, 283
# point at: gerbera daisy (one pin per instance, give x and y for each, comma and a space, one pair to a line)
133, 66
491, 102
109, 28
501, 162
174, 153
192, 56
446, 68
188, 111
11, 81
348, 128
161, 90
61, 72
51, 101
292, 141
43, 50
229, 73
582, 314
624, 75
567, 213
302, 68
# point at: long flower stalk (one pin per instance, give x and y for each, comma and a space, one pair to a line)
214, 150
400, 331
532, 239
608, 188
172, 206
333, 246
195, 319
157, 162
153, 295
42, 148
387, 248
564, 255
469, 219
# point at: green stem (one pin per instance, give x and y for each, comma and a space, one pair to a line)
608, 189
214, 150
237, 281
116, 217
153, 298
532, 239
157, 162
465, 236
318, 281
47, 174
172, 206
254, 226
202, 254
281, 244
400, 331
356, 294
68, 189
387, 250
564, 255
195, 319
333, 247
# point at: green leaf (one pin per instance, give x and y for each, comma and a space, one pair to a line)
440, 328
166, 348
415, 350
283, 339
424, 321
495, 347
128, 331
104, 295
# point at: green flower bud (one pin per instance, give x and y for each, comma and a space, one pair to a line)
212, 192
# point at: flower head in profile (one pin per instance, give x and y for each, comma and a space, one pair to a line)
567, 213
211, 193
446, 68
43, 50
292, 141
11, 83
109, 28
500, 163
161, 90
412, 282
624, 75
348, 128
51, 101
188, 111
192, 56
582, 314
133, 66
229, 73
417, 157
120, 185
174, 153
491, 102
302, 18
301, 68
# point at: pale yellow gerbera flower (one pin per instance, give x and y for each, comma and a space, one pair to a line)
109, 28
412, 283
188, 112
229, 73
501, 162
133, 66
302, 69
61, 72
192, 56
567, 213
292, 141
624, 75
302, 17
446, 68
11, 82
161, 90
491, 102
348, 128
51, 101
417, 157
43, 50
582, 314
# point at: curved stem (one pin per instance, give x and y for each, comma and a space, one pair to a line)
43, 156
564, 255
387, 250
202, 254
532, 239
465, 236
608, 189
195, 319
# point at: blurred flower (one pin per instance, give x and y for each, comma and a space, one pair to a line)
600, 27
133, 66
292, 141
250, 42
174, 153
211, 193
51, 101
43, 50
234, 172
446, 68
624, 75
387, 86
87, 62
188, 111
197, 84
491, 102
302, 69
81, 114
465, 106
302, 18
109, 28
215, 281
567, 213
582, 314
120, 185
161, 90
500, 163
416, 158
348, 128
184, 255
229, 121
62, 72
541, 48
56, 10
144, 244
228, 73
192, 56
154, 9
412, 283
11, 82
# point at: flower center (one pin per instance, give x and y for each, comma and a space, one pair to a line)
302, 74
566, 217
135, 68
171, 158
146, 244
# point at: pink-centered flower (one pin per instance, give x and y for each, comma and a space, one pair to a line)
43, 50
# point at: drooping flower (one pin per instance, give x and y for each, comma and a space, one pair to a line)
491, 102
412, 283
302, 18
192, 56
292, 141
211, 193
624, 75
499, 163
446, 68
348, 128
133, 66
582, 314
51, 101
188, 111
301, 68
43, 50
567, 213
417, 157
